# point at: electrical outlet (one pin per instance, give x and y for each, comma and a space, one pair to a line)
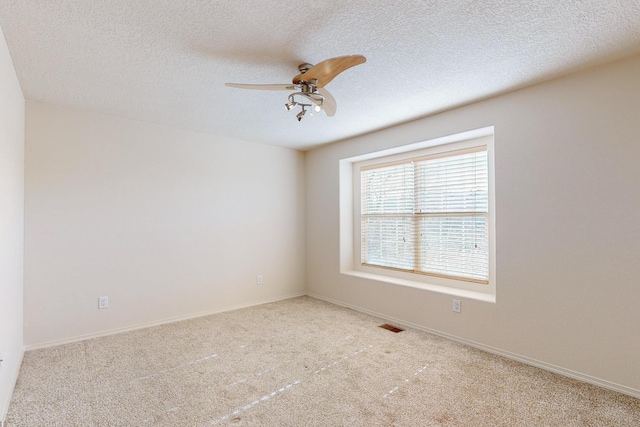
259, 279
103, 302
457, 305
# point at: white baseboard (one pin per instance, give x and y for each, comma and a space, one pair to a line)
527, 360
3, 415
157, 323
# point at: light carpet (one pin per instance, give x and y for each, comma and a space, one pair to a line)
299, 362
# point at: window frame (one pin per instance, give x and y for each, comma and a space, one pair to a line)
350, 209
417, 217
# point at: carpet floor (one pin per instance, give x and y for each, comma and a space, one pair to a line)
298, 362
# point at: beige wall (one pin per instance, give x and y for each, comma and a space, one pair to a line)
568, 227
167, 223
11, 224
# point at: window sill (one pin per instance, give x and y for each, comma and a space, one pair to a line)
462, 293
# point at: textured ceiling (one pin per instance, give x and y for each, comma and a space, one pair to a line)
166, 61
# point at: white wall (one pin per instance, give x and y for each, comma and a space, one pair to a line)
11, 224
568, 227
167, 223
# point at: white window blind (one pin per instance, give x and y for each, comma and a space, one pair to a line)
428, 215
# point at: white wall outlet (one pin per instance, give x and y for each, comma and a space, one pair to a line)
457, 305
103, 302
259, 279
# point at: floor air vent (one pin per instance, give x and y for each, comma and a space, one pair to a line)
391, 328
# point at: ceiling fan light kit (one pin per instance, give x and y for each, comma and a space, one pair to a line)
310, 84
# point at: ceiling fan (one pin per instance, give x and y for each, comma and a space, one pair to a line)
310, 84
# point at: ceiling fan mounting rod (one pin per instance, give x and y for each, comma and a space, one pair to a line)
303, 68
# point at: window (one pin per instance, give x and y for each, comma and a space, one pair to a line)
428, 215
422, 215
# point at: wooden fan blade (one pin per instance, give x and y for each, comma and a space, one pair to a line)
329, 104
325, 71
263, 87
